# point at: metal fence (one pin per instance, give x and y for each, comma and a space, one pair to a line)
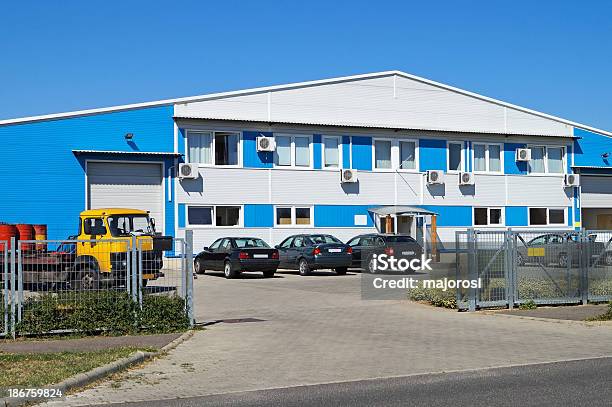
51, 286
543, 266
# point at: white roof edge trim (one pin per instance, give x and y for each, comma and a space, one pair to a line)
293, 86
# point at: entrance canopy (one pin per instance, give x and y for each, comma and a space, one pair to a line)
399, 210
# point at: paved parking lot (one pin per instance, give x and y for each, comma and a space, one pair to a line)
317, 329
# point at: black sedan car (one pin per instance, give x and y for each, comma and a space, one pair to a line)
366, 246
311, 252
234, 255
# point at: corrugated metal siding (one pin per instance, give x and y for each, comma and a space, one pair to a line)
225, 186
538, 191
596, 192
375, 102
589, 149
488, 190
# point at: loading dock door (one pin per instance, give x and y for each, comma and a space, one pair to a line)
126, 185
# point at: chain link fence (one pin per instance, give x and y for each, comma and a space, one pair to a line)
540, 266
120, 284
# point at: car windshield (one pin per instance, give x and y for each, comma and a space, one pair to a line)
125, 225
250, 242
324, 239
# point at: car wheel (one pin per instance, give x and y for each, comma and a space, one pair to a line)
229, 270
198, 266
269, 273
303, 267
86, 279
563, 260
341, 271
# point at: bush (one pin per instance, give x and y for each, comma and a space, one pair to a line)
536, 288
113, 312
600, 287
607, 316
529, 304
434, 296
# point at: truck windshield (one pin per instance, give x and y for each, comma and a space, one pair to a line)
124, 225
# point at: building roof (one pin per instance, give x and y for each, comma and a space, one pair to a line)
297, 85
112, 152
113, 211
399, 210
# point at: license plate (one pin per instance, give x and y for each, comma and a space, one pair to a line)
407, 253
260, 256
334, 250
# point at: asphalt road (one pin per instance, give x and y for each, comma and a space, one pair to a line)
584, 382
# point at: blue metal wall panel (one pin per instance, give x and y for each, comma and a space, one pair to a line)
589, 148
451, 215
362, 153
511, 166
340, 215
181, 142
49, 186
182, 215
316, 151
517, 216
258, 216
432, 155
252, 158
346, 152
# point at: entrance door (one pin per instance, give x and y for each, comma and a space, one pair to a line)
404, 224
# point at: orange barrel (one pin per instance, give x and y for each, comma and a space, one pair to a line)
40, 233
6, 232
26, 232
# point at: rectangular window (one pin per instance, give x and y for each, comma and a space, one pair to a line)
538, 216
226, 148
382, 154
292, 151
536, 165
407, 155
488, 217
487, 158
293, 216
213, 215
455, 157
556, 216
302, 151
494, 158
331, 152
546, 216
283, 150
199, 147
555, 159
480, 159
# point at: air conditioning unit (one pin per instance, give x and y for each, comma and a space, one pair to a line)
571, 180
347, 175
265, 143
523, 154
188, 171
435, 177
466, 178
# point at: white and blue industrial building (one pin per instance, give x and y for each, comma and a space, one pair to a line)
391, 128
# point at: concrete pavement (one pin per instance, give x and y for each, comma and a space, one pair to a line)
317, 329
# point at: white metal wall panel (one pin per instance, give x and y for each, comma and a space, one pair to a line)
408, 188
126, 185
391, 101
534, 190
487, 190
596, 192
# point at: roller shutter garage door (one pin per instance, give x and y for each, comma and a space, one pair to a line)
596, 192
126, 185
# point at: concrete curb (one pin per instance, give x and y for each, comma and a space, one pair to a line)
100, 372
551, 320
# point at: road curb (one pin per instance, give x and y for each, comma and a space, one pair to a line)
100, 372
552, 320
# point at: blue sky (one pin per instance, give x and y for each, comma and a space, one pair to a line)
552, 56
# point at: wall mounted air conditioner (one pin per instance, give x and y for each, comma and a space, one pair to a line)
347, 175
435, 177
188, 171
466, 178
571, 180
523, 154
265, 143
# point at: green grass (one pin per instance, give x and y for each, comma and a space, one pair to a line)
606, 316
42, 369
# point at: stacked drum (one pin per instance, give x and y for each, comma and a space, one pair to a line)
23, 231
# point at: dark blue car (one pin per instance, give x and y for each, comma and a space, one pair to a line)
311, 252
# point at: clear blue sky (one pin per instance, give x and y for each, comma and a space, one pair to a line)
553, 56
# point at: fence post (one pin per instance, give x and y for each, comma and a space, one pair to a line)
139, 280
472, 268
509, 266
585, 265
5, 288
188, 271
134, 270
13, 292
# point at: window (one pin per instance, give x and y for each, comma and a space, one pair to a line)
292, 151
331, 152
488, 217
222, 215
546, 216
294, 216
455, 160
555, 160
123, 225
94, 226
536, 165
249, 242
216, 244
408, 155
353, 242
382, 154
201, 149
487, 157
323, 239
299, 241
286, 243
545, 159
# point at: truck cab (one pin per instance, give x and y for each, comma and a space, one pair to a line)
105, 240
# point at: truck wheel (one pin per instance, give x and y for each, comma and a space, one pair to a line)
229, 270
198, 266
341, 271
269, 273
86, 279
303, 267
